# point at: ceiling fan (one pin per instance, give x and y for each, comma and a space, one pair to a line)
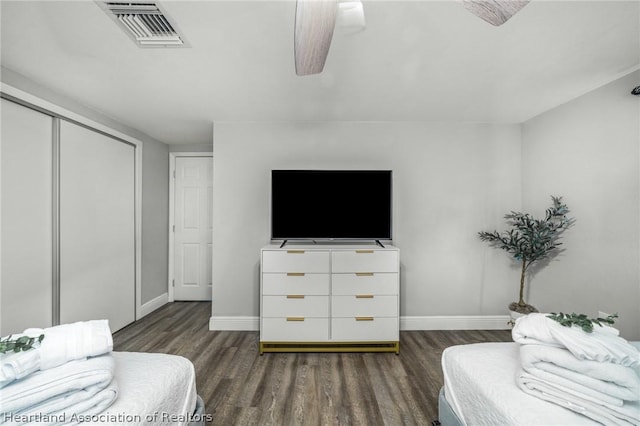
316, 20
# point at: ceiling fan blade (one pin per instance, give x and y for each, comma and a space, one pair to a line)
315, 21
495, 12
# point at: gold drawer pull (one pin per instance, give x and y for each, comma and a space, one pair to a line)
295, 274
364, 318
295, 251
364, 251
364, 296
295, 318
364, 274
295, 296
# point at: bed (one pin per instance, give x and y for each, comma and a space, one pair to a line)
73, 376
480, 389
154, 389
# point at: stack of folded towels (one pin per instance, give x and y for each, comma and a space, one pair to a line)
595, 374
69, 376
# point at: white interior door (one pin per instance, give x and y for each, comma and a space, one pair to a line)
27, 277
97, 227
193, 205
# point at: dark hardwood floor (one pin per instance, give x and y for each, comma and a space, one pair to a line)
241, 387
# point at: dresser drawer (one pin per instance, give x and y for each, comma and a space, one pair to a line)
354, 330
307, 330
295, 261
366, 282
364, 261
295, 283
295, 305
364, 305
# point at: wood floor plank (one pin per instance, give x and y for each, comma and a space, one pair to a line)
241, 387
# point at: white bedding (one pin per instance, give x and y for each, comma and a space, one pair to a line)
153, 389
480, 385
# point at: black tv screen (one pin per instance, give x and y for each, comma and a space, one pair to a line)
331, 204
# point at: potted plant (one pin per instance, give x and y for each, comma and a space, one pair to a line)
530, 240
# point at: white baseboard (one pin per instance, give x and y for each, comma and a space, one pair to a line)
234, 323
451, 322
153, 304
465, 322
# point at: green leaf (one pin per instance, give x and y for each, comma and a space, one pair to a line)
581, 320
23, 343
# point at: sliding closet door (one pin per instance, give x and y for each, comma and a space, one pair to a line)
97, 227
26, 286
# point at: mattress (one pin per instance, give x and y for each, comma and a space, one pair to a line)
480, 387
152, 389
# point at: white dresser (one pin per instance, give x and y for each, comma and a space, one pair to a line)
329, 298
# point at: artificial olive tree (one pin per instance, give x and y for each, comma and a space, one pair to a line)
530, 240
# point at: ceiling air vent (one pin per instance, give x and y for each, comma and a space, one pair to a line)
145, 23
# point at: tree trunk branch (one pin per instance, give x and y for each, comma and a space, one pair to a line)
522, 274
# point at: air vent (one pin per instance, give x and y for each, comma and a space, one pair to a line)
145, 23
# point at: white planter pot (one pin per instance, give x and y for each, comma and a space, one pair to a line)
514, 316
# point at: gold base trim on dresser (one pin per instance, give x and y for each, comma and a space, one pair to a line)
330, 347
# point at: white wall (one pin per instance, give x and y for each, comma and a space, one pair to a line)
155, 220
191, 148
450, 181
588, 151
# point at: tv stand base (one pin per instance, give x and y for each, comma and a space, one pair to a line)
330, 347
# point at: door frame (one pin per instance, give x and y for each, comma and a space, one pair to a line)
172, 190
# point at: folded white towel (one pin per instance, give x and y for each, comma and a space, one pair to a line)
16, 365
61, 344
68, 342
603, 344
87, 404
75, 387
607, 414
591, 380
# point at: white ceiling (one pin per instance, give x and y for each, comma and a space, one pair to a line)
416, 60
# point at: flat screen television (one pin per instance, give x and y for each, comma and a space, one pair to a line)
331, 204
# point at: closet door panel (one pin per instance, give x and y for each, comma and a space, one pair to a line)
97, 227
26, 285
